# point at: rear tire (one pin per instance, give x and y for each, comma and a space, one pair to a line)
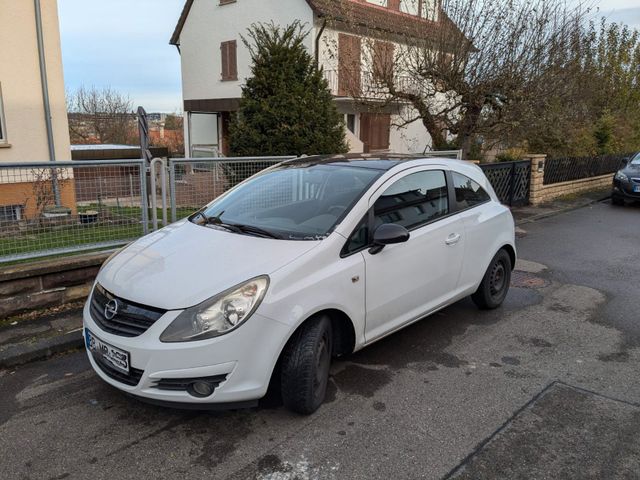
305, 366
495, 284
618, 201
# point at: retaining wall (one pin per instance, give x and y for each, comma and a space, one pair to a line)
541, 193
46, 284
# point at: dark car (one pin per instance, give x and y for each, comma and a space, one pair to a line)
626, 183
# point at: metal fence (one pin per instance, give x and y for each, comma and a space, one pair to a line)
72, 206
510, 180
557, 170
195, 182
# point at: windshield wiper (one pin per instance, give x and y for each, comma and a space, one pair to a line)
217, 221
256, 230
237, 227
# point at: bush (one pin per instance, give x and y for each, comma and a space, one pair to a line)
286, 106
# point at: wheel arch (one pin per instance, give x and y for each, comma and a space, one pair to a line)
343, 333
512, 254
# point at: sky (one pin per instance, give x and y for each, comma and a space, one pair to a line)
124, 44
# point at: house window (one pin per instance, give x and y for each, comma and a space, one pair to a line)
10, 213
419, 8
350, 120
3, 131
229, 51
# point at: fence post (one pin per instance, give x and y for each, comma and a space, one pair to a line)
143, 198
172, 190
512, 183
536, 193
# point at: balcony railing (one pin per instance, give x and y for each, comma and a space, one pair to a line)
368, 85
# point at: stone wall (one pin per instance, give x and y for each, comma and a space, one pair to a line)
46, 284
541, 193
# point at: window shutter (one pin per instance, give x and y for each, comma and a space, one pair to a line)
225, 60
383, 59
233, 60
228, 52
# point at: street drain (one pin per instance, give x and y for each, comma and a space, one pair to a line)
521, 279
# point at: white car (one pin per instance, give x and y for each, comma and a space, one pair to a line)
314, 258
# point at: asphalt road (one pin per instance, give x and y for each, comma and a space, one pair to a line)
546, 387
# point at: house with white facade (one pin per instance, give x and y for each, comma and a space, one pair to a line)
355, 42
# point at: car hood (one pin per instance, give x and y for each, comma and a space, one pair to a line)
184, 264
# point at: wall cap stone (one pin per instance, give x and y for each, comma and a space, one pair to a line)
56, 265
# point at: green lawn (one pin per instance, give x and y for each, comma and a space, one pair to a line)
63, 237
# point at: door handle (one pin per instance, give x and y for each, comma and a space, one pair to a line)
453, 239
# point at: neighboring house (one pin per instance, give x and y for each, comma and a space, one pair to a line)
355, 41
25, 135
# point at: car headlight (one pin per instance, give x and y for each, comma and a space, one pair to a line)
218, 315
622, 177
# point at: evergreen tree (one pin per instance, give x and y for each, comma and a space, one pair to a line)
286, 106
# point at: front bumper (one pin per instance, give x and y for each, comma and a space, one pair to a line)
626, 189
245, 357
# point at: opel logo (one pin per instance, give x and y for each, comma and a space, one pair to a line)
111, 309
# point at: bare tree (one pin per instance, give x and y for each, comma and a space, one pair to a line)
101, 116
476, 69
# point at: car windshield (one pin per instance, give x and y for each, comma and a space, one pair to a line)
635, 160
290, 202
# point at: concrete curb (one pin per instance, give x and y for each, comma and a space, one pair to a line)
553, 213
42, 349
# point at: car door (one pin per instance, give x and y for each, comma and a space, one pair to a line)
482, 220
407, 280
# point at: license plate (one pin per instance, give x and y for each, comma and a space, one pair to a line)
636, 188
118, 359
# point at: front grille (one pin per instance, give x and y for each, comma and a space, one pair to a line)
132, 378
181, 384
130, 320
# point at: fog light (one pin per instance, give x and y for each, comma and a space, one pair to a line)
201, 389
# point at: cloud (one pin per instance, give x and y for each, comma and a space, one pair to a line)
125, 45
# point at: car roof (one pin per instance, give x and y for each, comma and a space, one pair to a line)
377, 161
388, 161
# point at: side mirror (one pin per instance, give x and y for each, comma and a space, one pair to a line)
388, 234
624, 162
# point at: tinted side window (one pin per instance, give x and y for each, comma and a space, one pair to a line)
414, 200
468, 193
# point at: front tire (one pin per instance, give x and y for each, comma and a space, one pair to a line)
305, 366
495, 284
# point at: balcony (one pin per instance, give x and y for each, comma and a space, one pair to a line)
367, 85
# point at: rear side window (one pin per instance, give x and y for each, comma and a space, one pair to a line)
414, 200
468, 193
